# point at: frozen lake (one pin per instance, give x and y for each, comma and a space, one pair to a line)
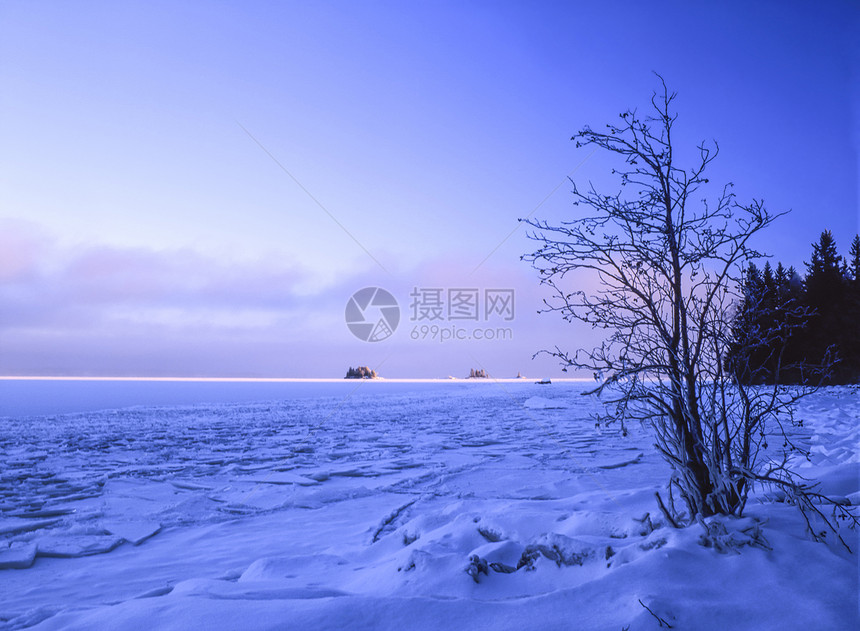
38, 397
331, 437
360, 505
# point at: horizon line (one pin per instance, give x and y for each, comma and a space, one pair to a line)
282, 379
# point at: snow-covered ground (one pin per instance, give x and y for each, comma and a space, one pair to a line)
467, 506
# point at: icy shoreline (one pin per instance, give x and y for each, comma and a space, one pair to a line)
481, 508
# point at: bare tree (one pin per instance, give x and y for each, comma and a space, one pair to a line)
669, 268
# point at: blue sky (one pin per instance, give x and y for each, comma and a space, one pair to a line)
172, 175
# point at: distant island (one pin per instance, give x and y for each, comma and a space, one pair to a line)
480, 373
362, 372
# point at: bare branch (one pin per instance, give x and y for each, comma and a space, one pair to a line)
670, 266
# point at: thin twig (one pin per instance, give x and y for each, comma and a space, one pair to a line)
660, 620
665, 512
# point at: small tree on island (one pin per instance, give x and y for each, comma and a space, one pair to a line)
362, 372
668, 271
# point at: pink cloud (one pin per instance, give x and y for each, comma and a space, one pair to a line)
109, 310
22, 246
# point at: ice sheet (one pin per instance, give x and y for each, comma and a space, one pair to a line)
478, 507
